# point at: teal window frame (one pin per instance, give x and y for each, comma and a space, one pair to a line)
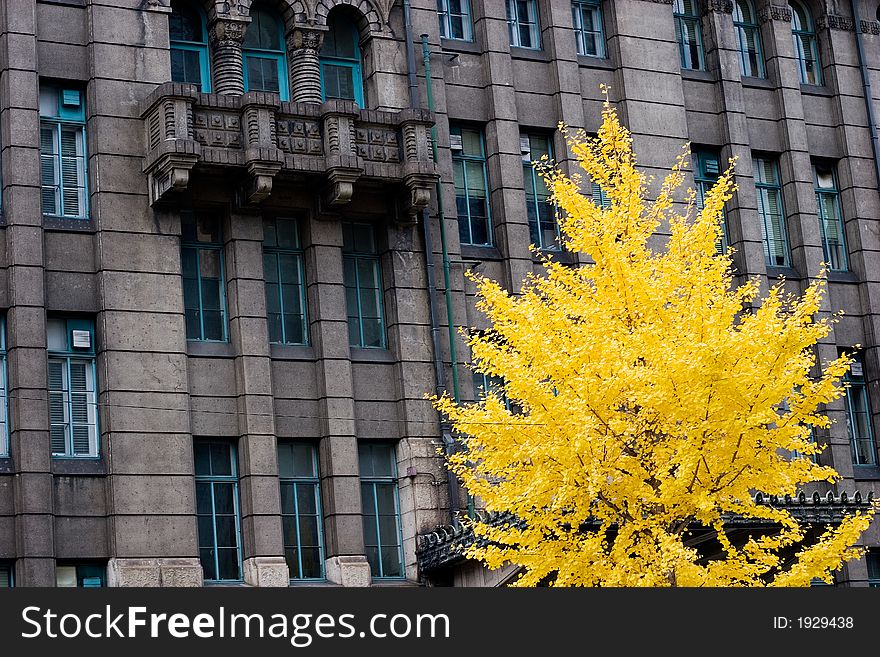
357, 257
4, 393
748, 37
283, 267
689, 34
198, 47
538, 205
210, 543
7, 576
707, 170
461, 163
354, 64
372, 483
278, 56
806, 44
62, 114
303, 483
449, 17
519, 25
777, 251
585, 37
194, 248
599, 197
831, 224
863, 448
488, 383
88, 575
872, 563
62, 396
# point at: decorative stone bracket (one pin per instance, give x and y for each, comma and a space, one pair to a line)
257, 134
173, 151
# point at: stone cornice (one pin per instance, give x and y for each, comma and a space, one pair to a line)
772, 12
835, 22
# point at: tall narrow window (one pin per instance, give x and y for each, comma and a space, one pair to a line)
381, 509
872, 560
471, 185
63, 152
707, 169
689, 33
543, 227
770, 209
485, 384
456, 19
301, 509
263, 54
341, 75
363, 286
285, 288
858, 415
73, 413
6, 576
4, 394
524, 24
748, 34
830, 218
204, 296
217, 509
588, 30
806, 45
82, 575
189, 45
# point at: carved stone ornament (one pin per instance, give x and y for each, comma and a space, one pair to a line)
835, 22
227, 32
870, 27
305, 39
720, 6
774, 13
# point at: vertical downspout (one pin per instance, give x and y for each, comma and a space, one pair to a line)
866, 85
440, 386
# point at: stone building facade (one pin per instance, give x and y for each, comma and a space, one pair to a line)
219, 320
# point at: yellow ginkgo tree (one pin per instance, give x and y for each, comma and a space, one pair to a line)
651, 400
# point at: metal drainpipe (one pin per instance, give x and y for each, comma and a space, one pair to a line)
440, 385
866, 85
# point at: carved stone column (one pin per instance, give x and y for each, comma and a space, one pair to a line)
303, 47
344, 166
226, 37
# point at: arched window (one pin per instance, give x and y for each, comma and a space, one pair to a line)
341, 60
748, 34
806, 46
189, 45
263, 55
689, 34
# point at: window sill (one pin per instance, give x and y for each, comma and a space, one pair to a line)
758, 83
697, 76
587, 61
392, 582
460, 45
863, 472
66, 223
204, 349
532, 54
473, 252
790, 273
842, 277
291, 352
816, 90
62, 465
297, 583
368, 355
71, 3
565, 257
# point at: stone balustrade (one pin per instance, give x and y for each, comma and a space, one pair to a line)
264, 137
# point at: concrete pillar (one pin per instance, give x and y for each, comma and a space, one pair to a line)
303, 47
262, 543
26, 320
346, 563
226, 36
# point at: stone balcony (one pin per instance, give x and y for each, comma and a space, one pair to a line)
336, 142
